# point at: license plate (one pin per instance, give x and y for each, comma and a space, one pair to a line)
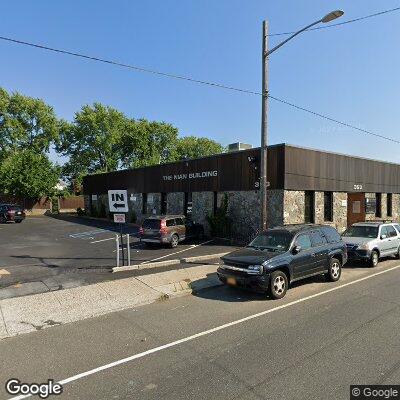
231, 281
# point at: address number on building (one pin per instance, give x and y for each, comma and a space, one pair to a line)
358, 187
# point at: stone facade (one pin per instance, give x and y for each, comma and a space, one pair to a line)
175, 203
294, 207
340, 211
202, 207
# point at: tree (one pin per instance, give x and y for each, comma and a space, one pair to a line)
148, 143
195, 147
92, 140
28, 174
25, 123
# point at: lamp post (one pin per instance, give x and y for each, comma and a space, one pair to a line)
264, 109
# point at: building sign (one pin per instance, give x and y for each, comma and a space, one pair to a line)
370, 205
94, 197
191, 175
358, 186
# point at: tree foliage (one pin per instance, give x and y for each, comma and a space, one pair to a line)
195, 147
28, 174
25, 123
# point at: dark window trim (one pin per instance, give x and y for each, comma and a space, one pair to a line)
215, 203
389, 205
378, 208
163, 209
310, 193
328, 206
144, 203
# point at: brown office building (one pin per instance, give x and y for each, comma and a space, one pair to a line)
304, 186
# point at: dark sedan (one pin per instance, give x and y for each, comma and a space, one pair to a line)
11, 212
280, 256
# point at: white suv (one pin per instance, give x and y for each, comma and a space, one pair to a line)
370, 241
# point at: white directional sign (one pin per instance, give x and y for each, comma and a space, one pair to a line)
118, 200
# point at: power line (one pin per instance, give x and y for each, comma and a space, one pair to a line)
340, 23
193, 80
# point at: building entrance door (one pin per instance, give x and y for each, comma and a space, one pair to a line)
355, 208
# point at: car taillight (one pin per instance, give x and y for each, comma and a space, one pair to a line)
163, 229
141, 231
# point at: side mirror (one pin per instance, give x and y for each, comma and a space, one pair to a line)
296, 249
383, 237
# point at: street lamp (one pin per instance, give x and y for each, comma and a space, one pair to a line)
264, 110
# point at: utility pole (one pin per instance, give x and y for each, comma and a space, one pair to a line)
264, 109
264, 128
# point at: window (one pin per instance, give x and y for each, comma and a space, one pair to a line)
361, 231
304, 242
378, 209
274, 240
397, 226
331, 234
328, 206
391, 231
144, 203
215, 203
151, 224
389, 207
309, 207
317, 239
163, 203
384, 231
170, 222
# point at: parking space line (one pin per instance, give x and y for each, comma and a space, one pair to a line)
209, 331
177, 252
102, 240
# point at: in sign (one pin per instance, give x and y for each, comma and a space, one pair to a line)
118, 200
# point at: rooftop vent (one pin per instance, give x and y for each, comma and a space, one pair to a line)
239, 146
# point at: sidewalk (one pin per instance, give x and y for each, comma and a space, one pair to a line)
26, 314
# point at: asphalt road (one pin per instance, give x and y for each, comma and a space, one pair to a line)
48, 253
225, 343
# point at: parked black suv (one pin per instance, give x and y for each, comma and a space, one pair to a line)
280, 256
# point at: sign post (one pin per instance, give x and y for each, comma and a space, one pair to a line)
118, 203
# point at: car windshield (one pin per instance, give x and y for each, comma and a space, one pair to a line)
152, 224
362, 231
272, 240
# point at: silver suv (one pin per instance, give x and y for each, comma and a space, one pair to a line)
369, 241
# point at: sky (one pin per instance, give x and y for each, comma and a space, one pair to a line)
350, 73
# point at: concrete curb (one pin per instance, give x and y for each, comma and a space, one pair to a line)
146, 265
165, 263
26, 314
203, 258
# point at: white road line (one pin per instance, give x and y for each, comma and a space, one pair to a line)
102, 240
208, 332
177, 252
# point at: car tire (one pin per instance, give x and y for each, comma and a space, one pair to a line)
174, 240
278, 285
335, 270
18, 221
374, 259
398, 254
3, 219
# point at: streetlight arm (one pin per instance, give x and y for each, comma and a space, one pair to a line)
291, 37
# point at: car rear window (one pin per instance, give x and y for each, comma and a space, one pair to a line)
331, 234
170, 222
152, 224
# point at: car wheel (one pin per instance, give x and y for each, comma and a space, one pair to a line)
398, 254
3, 219
278, 285
174, 240
335, 270
374, 260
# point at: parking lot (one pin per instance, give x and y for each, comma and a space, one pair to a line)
50, 253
